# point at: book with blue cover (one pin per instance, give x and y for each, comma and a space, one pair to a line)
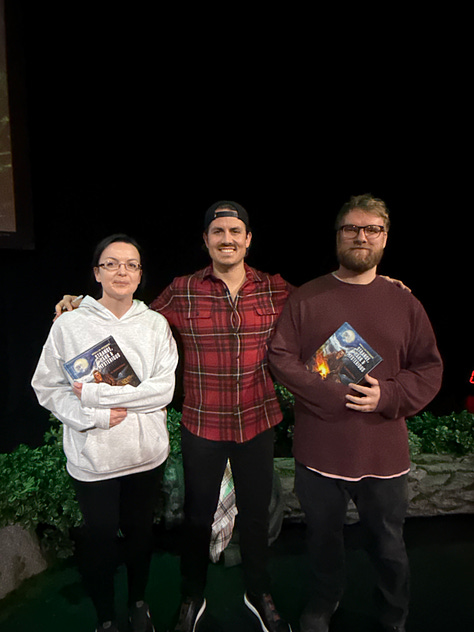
103, 362
345, 357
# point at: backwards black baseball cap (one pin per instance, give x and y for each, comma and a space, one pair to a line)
224, 208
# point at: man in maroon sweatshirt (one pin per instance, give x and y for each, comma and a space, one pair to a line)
351, 441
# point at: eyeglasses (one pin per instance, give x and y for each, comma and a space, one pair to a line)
349, 231
112, 265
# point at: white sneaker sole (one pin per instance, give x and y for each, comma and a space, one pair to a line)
256, 613
199, 615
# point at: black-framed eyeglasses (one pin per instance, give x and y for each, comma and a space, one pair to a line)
372, 231
112, 265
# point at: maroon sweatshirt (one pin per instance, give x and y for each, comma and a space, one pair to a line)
329, 437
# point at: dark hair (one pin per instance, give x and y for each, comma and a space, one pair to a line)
113, 239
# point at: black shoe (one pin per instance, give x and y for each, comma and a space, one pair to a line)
140, 619
189, 615
264, 609
107, 626
394, 628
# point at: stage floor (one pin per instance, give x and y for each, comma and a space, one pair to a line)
441, 552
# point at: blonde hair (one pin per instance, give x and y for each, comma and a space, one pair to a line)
365, 202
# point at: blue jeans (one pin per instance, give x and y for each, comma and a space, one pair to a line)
204, 463
382, 506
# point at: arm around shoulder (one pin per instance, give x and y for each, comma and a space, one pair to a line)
67, 304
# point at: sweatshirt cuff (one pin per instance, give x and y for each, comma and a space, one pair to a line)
102, 418
90, 395
385, 406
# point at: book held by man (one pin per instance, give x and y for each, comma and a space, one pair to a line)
345, 357
103, 362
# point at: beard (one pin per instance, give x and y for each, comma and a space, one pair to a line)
359, 260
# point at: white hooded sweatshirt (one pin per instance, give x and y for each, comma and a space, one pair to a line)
140, 442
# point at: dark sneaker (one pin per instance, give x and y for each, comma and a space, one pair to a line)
107, 626
140, 619
189, 615
264, 609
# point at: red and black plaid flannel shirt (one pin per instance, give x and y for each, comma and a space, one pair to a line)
228, 391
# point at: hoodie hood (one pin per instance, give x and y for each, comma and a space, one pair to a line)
100, 311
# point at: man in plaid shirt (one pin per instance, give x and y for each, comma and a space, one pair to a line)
223, 317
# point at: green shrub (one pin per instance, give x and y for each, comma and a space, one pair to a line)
36, 493
452, 434
284, 431
414, 443
174, 429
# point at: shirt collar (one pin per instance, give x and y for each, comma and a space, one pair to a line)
251, 273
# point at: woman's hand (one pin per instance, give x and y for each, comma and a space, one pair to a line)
117, 415
77, 390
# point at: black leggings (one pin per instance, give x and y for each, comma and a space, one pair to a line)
252, 468
125, 503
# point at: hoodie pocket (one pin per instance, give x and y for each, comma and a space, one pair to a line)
138, 440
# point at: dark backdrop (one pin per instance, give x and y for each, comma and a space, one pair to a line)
137, 122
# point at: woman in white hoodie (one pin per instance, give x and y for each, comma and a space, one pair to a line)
115, 434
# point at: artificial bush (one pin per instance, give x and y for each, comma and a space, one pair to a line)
448, 434
36, 492
174, 430
284, 431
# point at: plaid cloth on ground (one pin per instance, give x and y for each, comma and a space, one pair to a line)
228, 390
